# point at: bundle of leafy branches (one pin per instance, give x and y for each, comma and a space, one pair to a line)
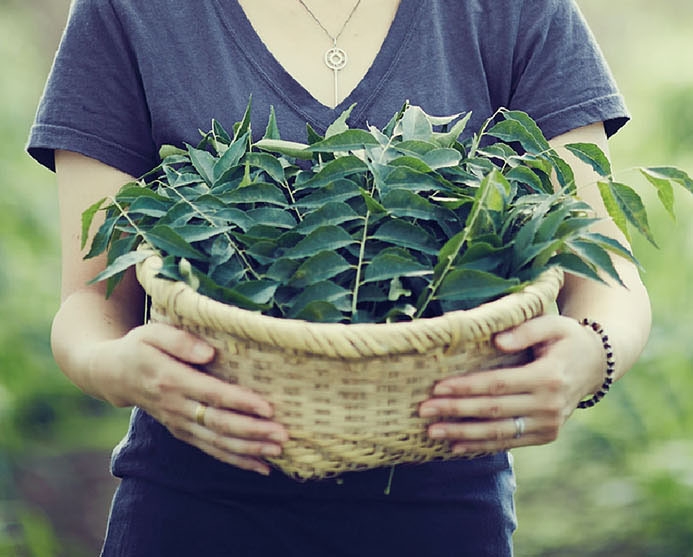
369, 225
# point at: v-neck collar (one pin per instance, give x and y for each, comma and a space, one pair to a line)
295, 94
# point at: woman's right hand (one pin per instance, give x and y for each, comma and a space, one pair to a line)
153, 368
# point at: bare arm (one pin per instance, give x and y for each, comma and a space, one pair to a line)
105, 349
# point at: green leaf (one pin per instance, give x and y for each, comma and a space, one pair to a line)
271, 216
411, 179
268, 163
591, 154
573, 264
164, 238
526, 176
415, 147
320, 239
272, 130
321, 292
415, 125
519, 127
198, 232
448, 139
671, 173
564, 173
349, 140
332, 213
339, 190
103, 236
388, 265
624, 205
229, 161
400, 233
611, 245
372, 205
259, 291
340, 125
204, 162
320, 312
177, 178
322, 266
220, 133
405, 203
415, 163
442, 158
122, 263
472, 284
288, 148
282, 269
535, 255
596, 256
149, 206
397, 291
258, 192
88, 218
665, 190
243, 126
169, 151
334, 170
227, 295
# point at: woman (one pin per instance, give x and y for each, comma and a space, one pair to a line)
131, 76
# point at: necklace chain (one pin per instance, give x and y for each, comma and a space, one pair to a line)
335, 57
334, 39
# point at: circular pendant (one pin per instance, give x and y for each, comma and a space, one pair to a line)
335, 58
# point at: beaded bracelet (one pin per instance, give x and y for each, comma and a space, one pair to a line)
610, 365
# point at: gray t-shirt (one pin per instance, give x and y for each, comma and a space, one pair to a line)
131, 75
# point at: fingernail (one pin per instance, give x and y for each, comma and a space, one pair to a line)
428, 412
442, 390
262, 470
202, 351
278, 437
505, 340
436, 433
264, 411
459, 450
271, 450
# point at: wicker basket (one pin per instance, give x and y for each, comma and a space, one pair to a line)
348, 394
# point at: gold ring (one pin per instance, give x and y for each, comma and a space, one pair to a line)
200, 413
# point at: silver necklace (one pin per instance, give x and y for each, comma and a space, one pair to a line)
335, 58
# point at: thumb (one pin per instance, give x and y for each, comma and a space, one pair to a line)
178, 343
530, 333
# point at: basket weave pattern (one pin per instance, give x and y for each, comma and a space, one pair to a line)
348, 394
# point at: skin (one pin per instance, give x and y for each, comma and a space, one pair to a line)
105, 349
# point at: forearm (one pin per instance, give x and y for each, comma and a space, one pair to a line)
624, 313
80, 336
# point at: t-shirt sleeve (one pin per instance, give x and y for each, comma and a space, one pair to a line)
560, 76
94, 102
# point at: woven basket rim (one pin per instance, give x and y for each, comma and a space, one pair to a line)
351, 341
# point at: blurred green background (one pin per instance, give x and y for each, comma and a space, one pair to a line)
619, 482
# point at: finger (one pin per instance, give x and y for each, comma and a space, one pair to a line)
217, 393
492, 383
245, 462
534, 332
479, 407
233, 425
178, 343
482, 447
495, 434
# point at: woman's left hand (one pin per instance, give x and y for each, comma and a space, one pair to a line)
494, 410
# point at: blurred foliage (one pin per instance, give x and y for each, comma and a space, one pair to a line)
619, 482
